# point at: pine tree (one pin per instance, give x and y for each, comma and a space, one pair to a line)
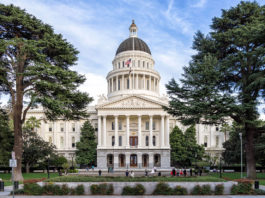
35, 65
226, 78
86, 152
6, 139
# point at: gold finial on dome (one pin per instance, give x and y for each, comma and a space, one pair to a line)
133, 29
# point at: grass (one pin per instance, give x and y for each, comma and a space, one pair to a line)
136, 179
232, 176
6, 177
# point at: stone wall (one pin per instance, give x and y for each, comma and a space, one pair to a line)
149, 186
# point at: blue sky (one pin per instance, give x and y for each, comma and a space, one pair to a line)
96, 28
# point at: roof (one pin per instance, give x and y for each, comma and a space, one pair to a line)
139, 45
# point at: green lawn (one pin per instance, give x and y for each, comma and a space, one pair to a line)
232, 176
6, 177
136, 179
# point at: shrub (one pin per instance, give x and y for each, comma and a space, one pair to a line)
259, 192
48, 189
101, 189
73, 171
137, 190
242, 188
196, 190
33, 189
65, 189
179, 190
80, 190
206, 190
18, 192
162, 189
219, 189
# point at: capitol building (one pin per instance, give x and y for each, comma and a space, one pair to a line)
131, 126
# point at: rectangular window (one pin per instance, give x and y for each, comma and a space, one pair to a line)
139, 63
147, 141
112, 126
119, 84
147, 85
217, 128
50, 127
119, 65
112, 140
143, 63
122, 63
128, 83
120, 125
62, 127
120, 140
147, 65
217, 141
147, 125
154, 125
73, 127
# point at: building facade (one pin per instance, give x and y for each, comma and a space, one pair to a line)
131, 126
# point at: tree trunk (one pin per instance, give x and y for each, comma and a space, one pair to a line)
250, 158
27, 168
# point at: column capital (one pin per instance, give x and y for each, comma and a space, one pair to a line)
127, 115
151, 115
139, 115
115, 115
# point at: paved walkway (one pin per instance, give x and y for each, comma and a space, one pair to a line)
115, 196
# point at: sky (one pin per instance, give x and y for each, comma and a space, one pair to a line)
97, 27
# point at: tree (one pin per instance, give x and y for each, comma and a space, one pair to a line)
184, 148
35, 69
6, 139
35, 149
226, 76
86, 152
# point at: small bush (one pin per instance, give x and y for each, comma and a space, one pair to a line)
259, 192
65, 189
102, 189
206, 190
179, 190
73, 171
196, 190
137, 190
242, 188
18, 192
162, 189
219, 189
33, 189
80, 190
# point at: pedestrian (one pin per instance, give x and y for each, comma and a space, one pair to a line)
177, 172
93, 167
146, 173
99, 172
132, 174
127, 173
108, 169
174, 172
155, 169
190, 171
159, 173
181, 172
185, 172
87, 169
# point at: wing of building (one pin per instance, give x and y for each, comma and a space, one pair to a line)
131, 125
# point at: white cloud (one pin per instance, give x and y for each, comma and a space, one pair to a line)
95, 85
199, 4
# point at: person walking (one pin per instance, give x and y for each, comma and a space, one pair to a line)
146, 173
99, 172
185, 172
174, 172
127, 173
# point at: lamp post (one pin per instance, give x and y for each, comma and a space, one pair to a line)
48, 171
240, 135
220, 164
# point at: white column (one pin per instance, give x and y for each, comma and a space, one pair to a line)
162, 135
167, 131
144, 81
117, 78
122, 83
139, 132
116, 131
150, 83
137, 81
112, 85
104, 132
127, 130
151, 131
99, 131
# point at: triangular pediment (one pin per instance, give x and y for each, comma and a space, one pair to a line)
132, 102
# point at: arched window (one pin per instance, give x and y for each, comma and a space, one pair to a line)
61, 142
157, 160
112, 140
154, 140
50, 139
205, 141
217, 141
146, 140
73, 142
